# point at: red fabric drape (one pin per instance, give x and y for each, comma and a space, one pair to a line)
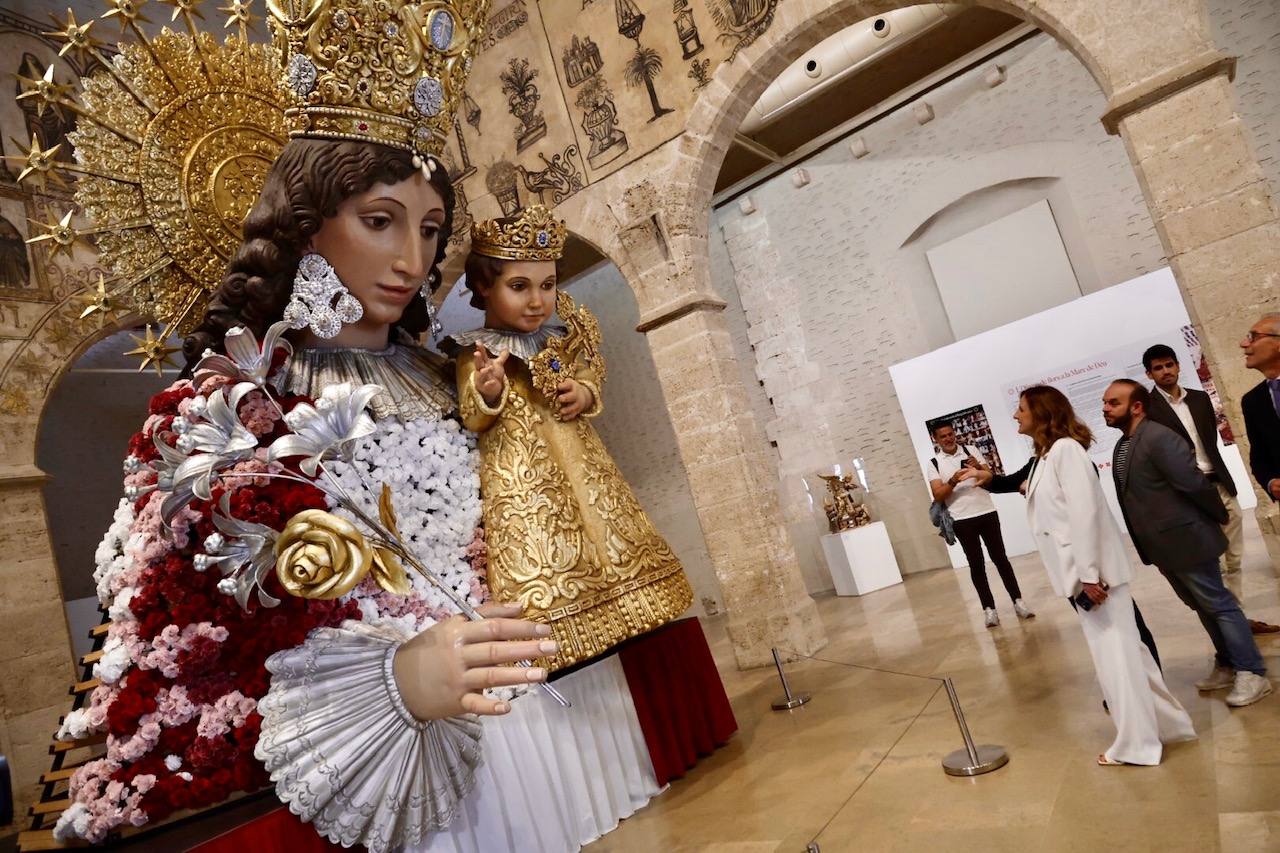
278, 831
679, 698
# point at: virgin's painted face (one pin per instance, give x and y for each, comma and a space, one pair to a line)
522, 298
382, 243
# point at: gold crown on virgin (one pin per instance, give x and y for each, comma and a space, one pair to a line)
534, 235
175, 137
385, 71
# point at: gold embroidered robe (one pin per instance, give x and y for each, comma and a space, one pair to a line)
566, 536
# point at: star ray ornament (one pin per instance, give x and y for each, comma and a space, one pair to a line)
153, 351
62, 234
76, 35
37, 163
98, 300
44, 91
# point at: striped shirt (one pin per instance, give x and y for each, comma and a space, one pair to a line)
1122, 461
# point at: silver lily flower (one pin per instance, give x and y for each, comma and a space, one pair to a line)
327, 430
219, 441
245, 554
245, 360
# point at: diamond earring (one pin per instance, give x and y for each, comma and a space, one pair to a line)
433, 321
312, 301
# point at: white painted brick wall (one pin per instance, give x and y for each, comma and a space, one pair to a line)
856, 307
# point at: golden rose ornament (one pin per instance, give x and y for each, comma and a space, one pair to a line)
320, 555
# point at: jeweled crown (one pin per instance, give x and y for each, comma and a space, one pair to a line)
534, 235
385, 71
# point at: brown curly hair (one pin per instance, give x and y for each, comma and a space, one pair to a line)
1053, 418
305, 185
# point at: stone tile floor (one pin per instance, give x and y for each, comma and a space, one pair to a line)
858, 768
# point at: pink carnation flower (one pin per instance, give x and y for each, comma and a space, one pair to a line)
229, 712
171, 642
258, 413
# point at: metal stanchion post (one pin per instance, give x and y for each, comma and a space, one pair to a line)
789, 700
972, 760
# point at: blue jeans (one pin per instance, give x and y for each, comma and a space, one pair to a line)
1200, 587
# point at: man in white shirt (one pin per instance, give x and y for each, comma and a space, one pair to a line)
1190, 414
976, 522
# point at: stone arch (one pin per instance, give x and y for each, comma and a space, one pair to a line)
36, 633
57, 339
1170, 99
1183, 45
946, 188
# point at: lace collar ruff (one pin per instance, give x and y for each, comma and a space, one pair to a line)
412, 379
523, 345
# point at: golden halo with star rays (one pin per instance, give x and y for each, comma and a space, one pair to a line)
173, 141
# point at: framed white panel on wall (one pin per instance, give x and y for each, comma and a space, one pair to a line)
1006, 270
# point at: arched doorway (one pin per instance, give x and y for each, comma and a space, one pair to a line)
92, 411
1168, 94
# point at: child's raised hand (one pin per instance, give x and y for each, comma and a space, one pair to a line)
490, 374
573, 398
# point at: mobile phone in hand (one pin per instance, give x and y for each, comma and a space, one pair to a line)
1083, 601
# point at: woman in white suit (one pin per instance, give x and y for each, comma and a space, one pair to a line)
1085, 556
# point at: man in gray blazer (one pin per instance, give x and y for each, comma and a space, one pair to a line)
1175, 518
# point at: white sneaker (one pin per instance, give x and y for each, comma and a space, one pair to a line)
1023, 611
993, 618
1249, 689
1220, 678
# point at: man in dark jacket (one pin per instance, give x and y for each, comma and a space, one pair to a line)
1261, 404
1175, 518
1190, 413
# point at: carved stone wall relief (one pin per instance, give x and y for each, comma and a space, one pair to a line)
687, 29
559, 180
741, 22
646, 64
600, 121
522, 102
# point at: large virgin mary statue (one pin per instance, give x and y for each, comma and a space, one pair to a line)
300, 516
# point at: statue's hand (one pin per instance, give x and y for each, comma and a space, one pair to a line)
574, 398
443, 670
491, 374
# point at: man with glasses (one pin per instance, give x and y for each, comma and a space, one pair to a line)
1190, 414
1261, 405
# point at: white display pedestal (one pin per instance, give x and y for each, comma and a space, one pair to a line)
861, 560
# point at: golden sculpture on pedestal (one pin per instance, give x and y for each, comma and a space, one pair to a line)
845, 502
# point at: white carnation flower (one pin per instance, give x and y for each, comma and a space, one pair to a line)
74, 725
72, 823
119, 610
109, 557
431, 468
114, 661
